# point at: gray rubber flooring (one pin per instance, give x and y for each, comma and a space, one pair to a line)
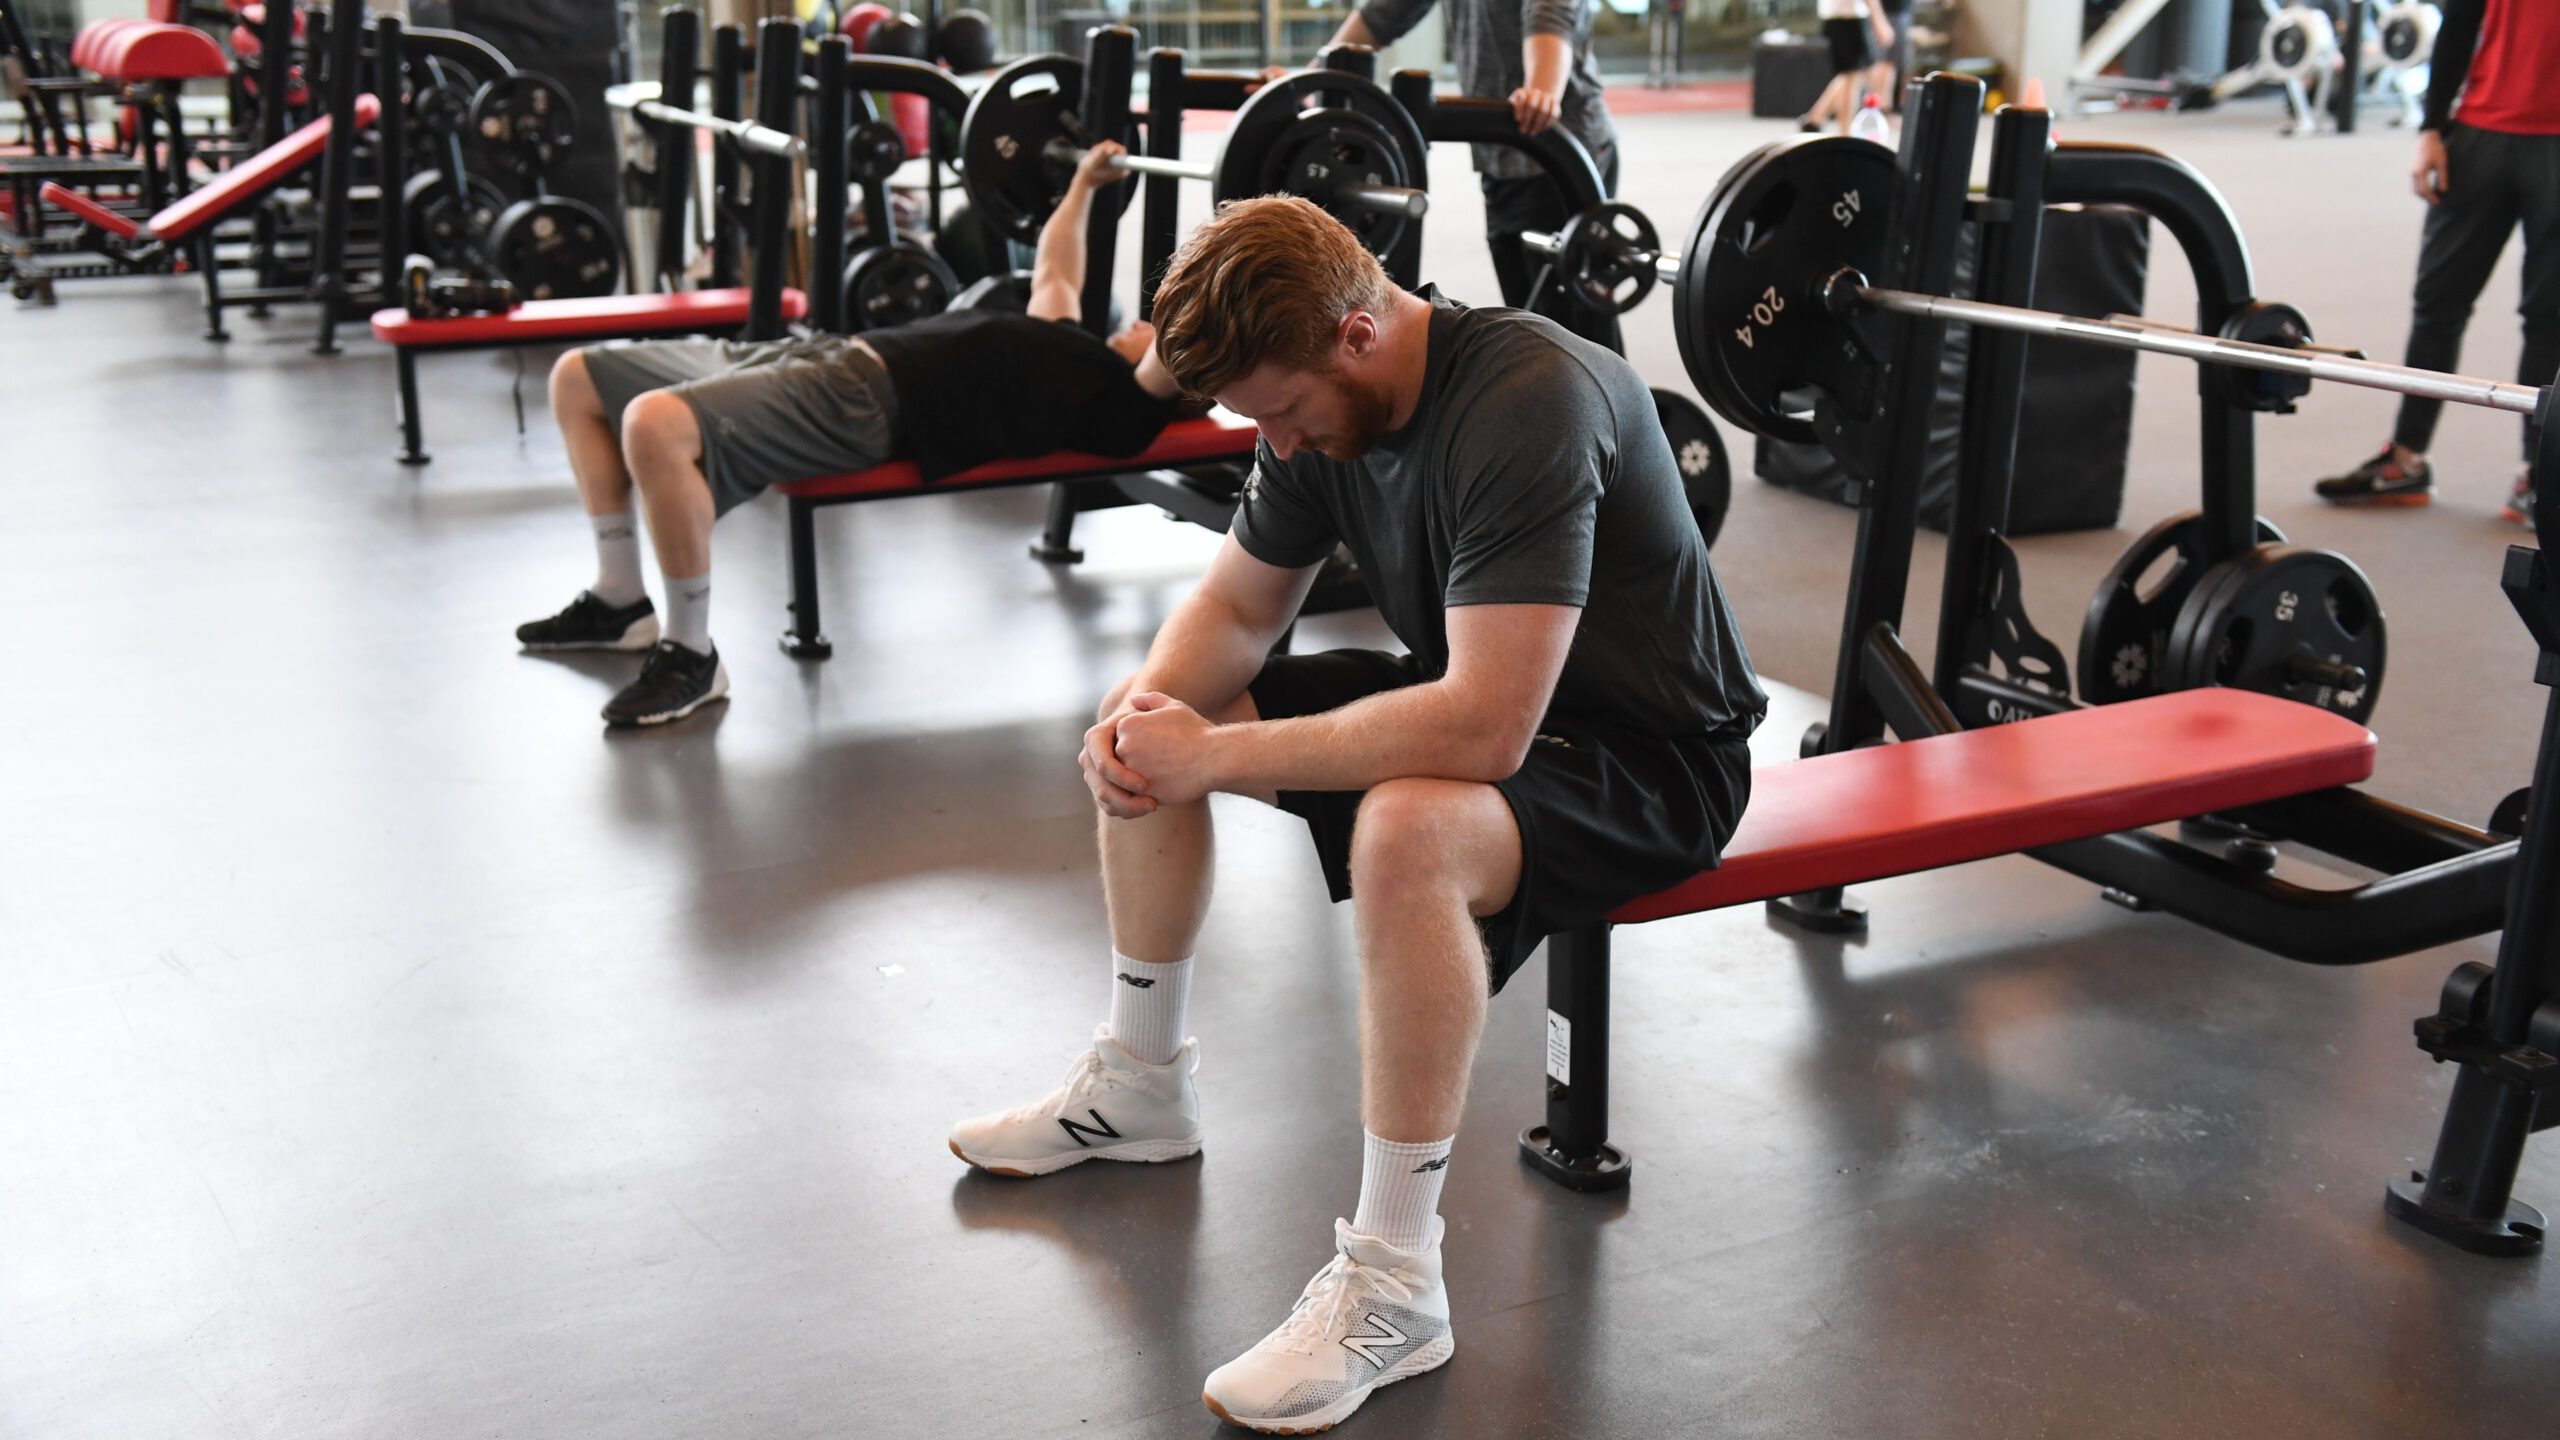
386, 1051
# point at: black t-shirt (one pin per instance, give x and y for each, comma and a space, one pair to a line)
1534, 471
980, 385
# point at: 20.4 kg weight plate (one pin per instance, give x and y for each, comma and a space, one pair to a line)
1706, 475
1748, 309
2130, 616
2282, 620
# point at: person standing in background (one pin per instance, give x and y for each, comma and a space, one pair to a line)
2488, 161
1846, 28
1536, 54
1892, 69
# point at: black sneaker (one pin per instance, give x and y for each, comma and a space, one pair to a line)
592, 624
2519, 506
2381, 480
675, 683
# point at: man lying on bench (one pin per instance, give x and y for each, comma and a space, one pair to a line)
703, 426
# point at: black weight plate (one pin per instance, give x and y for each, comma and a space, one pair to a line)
874, 150
1009, 292
2400, 41
1748, 309
2126, 631
524, 122
1004, 143
1605, 257
894, 284
556, 249
1273, 128
2260, 618
1324, 150
2507, 818
1706, 474
443, 231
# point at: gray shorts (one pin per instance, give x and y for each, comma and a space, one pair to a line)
770, 411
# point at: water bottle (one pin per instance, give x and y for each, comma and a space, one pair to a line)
1870, 124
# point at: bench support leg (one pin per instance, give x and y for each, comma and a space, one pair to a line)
212, 285
1824, 912
1573, 1147
411, 442
804, 640
1056, 545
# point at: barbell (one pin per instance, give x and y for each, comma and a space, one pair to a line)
641, 101
1769, 293
1358, 153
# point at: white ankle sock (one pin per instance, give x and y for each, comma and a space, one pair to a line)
1147, 1004
1400, 1189
617, 559
689, 612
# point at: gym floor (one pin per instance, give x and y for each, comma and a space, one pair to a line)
390, 1051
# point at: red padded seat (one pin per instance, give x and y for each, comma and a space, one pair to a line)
1893, 809
236, 186
1217, 436
597, 317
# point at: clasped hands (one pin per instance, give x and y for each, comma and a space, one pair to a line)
1153, 750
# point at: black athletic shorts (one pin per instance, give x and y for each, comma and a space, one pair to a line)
1848, 45
1606, 814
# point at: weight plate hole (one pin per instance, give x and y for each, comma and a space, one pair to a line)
2156, 577
1761, 226
2348, 609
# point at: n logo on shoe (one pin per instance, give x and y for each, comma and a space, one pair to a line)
1100, 1129
1135, 980
1367, 1346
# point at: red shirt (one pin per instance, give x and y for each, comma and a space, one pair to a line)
2515, 74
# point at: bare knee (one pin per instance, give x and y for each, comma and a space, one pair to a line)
659, 429
1405, 841
573, 390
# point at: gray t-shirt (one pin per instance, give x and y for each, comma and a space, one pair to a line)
1534, 471
1485, 38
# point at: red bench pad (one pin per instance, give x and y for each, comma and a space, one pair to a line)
595, 317
1893, 809
236, 186
1216, 436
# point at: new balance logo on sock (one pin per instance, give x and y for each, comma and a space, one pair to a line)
1099, 1130
1428, 1166
1367, 1347
1127, 979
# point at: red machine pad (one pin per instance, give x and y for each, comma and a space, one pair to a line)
55, 193
1894, 809
599, 317
1216, 436
159, 52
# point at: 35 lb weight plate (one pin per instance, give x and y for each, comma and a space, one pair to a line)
556, 249
1360, 132
1748, 310
1706, 475
2282, 620
1004, 144
893, 284
2137, 604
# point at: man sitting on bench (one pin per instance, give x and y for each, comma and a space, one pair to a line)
1566, 732
703, 426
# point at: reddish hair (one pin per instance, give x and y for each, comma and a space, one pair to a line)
1267, 280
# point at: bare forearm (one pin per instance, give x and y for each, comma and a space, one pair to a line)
1354, 31
1060, 256
1545, 61
1204, 655
1428, 731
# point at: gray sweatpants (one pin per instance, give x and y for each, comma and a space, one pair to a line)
770, 411
2495, 182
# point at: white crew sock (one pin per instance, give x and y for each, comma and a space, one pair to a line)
1147, 1004
1400, 1189
617, 559
689, 612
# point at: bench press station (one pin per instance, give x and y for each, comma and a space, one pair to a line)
1770, 307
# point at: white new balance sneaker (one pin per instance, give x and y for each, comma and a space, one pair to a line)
1374, 1316
1111, 1106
